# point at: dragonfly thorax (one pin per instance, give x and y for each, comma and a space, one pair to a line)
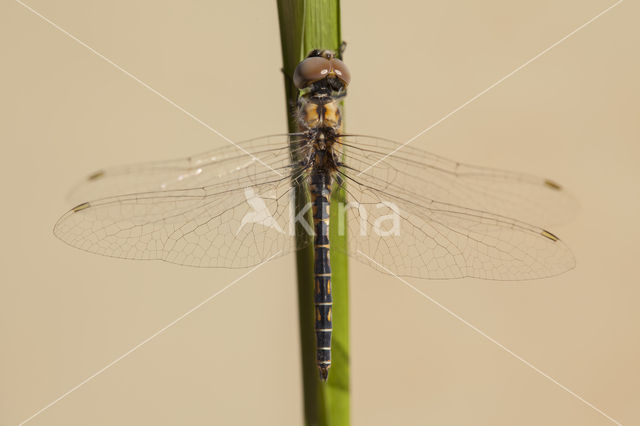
322, 79
313, 115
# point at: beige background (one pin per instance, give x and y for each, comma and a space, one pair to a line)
64, 314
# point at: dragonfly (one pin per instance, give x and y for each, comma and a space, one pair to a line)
408, 212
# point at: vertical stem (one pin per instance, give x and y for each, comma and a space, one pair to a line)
306, 25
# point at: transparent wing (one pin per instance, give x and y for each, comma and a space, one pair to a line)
219, 209
417, 214
522, 196
225, 208
201, 170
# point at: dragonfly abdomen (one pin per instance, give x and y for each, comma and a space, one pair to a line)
320, 189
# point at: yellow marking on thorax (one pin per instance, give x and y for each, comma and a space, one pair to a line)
311, 115
331, 114
321, 115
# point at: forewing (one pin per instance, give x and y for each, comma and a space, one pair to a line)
525, 197
265, 154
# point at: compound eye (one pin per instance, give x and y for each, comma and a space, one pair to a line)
310, 70
341, 71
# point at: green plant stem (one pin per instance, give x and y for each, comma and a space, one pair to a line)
304, 26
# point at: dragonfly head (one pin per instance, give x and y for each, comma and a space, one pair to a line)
321, 66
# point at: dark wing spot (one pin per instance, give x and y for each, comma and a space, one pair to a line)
96, 175
553, 185
549, 235
80, 207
